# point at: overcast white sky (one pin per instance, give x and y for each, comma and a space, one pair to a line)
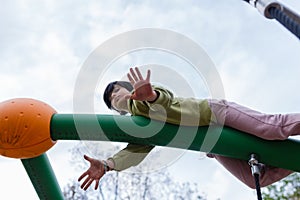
45, 43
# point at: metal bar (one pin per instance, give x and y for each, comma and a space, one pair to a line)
42, 177
272, 9
140, 130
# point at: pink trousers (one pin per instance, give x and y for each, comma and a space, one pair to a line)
266, 126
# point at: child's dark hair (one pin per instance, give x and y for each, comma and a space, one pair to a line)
110, 87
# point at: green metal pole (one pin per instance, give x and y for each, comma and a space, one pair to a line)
230, 143
43, 178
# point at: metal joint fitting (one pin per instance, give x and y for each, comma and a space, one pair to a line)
263, 6
253, 162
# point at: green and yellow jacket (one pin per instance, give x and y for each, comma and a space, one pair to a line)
166, 108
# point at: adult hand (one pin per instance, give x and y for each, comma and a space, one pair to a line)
94, 173
143, 89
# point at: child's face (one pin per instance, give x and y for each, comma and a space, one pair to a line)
118, 98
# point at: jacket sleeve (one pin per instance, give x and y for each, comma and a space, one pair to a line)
164, 99
131, 155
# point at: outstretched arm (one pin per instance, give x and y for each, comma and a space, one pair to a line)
142, 87
130, 156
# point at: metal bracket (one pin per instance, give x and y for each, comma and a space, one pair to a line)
253, 162
264, 5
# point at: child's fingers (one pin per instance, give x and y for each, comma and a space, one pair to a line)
86, 158
130, 79
97, 184
133, 75
148, 75
88, 183
139, 73
82, 176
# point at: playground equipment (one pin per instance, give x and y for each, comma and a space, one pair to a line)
30, 127
275, 10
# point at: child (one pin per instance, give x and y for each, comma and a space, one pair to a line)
139, 97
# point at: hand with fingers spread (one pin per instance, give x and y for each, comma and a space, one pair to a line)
94, 173
143, 89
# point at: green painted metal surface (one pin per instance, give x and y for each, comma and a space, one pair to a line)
42, 177
230, 143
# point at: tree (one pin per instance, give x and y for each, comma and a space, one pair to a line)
128, 185
71, 192
288, 188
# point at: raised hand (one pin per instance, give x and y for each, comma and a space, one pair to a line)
143, 89
94, 173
